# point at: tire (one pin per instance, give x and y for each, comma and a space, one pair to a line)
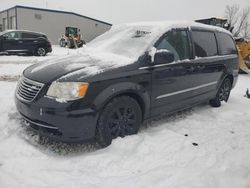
122, 116
62, 43
40, 51
222, 94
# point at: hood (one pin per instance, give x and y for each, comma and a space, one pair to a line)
81, 65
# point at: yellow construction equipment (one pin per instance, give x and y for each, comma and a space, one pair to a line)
72, 38
242, 44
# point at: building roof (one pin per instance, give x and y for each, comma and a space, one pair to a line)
56, 11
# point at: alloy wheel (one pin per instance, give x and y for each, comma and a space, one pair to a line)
225, 91
41, 52
121, 121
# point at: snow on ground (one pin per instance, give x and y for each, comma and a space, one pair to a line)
201, 147
12, 66
57, 51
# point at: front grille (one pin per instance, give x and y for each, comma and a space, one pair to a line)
27, 89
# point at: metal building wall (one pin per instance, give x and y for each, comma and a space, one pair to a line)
53, 23
8, 14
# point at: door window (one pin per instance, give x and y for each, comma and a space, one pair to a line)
29, 36
12, 35
227, 44
177, 42
205, 44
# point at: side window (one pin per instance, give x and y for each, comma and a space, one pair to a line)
12, 35
177, 42
227, 44
29, 35
204, 43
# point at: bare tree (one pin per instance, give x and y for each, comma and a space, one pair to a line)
246, 30
238, 19
232, 13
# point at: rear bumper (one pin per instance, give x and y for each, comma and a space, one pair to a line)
49, 49
59, 124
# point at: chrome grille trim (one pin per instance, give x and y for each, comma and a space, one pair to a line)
27, 90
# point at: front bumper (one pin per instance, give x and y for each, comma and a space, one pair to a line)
58, 123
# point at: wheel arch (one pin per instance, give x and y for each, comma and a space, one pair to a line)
132, 90
230, 77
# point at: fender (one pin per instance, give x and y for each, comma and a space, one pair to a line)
124, 88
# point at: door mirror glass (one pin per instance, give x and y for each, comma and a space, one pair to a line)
163, 57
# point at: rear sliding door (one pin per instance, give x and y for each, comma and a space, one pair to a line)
208, 65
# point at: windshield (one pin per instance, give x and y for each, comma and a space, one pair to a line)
129, 41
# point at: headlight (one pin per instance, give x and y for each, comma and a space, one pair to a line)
67, 90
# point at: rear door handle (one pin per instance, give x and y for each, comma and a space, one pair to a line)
20, 41
169, 69
190, 69
201, 67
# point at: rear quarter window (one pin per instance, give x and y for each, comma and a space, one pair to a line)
30, 35
227, 44
205, 44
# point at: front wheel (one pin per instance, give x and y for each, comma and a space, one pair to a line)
120, 117
222, 94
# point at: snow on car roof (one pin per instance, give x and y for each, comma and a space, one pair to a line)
171, 24
28, 31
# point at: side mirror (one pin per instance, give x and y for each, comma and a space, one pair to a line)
163, 56
4, 37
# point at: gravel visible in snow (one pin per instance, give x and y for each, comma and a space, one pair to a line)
201, 147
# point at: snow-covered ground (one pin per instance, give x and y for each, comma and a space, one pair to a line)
202, 147
12, 66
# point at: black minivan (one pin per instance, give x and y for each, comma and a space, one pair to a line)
24, 42
130, 74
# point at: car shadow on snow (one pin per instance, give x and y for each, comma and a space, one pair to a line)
48, 146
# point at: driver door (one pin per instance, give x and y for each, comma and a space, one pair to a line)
171, 82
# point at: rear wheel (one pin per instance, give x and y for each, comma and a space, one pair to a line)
40, 51
223, 93
121, 116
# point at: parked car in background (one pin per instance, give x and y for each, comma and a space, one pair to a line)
132, 73
24, 42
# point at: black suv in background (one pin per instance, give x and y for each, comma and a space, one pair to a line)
24, 42
131, 73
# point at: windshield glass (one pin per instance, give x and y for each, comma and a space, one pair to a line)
129, 41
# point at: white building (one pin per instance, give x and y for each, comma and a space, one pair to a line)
51, 22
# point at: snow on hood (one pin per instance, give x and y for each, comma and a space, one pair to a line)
84, 62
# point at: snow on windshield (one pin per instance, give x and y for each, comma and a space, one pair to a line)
129, 41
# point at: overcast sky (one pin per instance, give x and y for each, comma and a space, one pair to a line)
120, 11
